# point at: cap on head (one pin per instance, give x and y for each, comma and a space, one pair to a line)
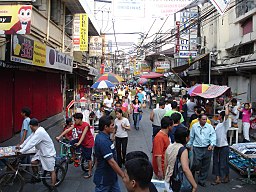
33, 122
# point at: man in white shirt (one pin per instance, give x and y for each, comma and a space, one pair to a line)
108, 104
191, 108
45, 149
234, 113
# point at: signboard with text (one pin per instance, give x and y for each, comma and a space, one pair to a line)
95, 46
15, 19
220, 5
28, 51
80, 32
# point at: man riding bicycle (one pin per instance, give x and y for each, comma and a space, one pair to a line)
45, 149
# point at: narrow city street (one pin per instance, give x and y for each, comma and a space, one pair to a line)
138, 140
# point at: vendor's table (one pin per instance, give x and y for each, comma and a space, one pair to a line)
231, 136
248, 152
7, 153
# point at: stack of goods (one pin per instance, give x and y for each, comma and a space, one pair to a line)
7, 151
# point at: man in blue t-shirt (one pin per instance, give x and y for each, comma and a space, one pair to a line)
140, 96
105, 177
25, 129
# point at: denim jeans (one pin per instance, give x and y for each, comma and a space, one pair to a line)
109, 188
136, 120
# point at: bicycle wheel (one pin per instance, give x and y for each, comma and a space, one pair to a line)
60, 176
85, 165
11, 182
64, 163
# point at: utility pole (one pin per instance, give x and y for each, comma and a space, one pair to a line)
210, 63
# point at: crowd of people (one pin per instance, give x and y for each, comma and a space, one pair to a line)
181, 130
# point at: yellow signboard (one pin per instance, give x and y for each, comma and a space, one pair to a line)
39, 57
80, 32
15, 19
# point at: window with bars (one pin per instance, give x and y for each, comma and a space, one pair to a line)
243, 6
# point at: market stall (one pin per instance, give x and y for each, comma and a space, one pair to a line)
243, 158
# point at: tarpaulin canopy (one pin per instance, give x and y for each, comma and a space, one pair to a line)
213, 91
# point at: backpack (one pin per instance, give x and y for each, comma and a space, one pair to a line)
178, 180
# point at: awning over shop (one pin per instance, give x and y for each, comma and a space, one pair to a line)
244, 65
213, 91
182, 68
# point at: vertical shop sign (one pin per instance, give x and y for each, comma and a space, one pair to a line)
80, 32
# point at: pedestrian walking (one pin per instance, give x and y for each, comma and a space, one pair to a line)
136, 108
25, 129
203, 139
105, 177
160, 144
181, 138
138, 175
246, 114
191, 109
174, 106
221, 150
108, 104
155, 116
121, 136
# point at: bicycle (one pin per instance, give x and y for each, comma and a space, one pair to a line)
13, 181
65, 152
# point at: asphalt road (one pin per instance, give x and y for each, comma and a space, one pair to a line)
138, 140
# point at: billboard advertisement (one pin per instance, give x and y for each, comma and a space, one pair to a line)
28, 51
80, 32
15, 19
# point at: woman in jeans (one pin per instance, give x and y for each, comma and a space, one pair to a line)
136, 107
121, 136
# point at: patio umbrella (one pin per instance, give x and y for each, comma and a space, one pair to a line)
113, 78
197, 89
142, 81
151, 75
102, 85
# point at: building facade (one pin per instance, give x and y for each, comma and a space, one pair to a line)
37, 68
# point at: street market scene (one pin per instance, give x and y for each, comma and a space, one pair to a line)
128, 95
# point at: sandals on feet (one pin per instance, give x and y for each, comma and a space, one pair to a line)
87, 176
216, 183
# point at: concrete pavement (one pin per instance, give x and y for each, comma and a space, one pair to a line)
138, 140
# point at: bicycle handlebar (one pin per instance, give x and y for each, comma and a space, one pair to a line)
66, 144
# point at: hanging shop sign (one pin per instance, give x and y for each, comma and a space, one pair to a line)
28, 51
57, 60
80, 32
93, 71
95, 46
15, 19
220, 5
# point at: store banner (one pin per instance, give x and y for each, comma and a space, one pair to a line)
58, 60
95, 46
22, 49
15, 19
220, 5
28, 51
80, 32
129, 8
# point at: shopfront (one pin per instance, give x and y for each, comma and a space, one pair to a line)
33, 76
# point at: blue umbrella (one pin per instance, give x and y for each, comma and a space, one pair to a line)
102, 85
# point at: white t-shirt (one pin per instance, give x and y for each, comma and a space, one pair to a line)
168, 107
234, 118
191, 105
108, 103
120, 132
221, 133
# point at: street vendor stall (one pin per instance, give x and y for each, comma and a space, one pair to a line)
243, 158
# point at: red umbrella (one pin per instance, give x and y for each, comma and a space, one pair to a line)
151, 75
